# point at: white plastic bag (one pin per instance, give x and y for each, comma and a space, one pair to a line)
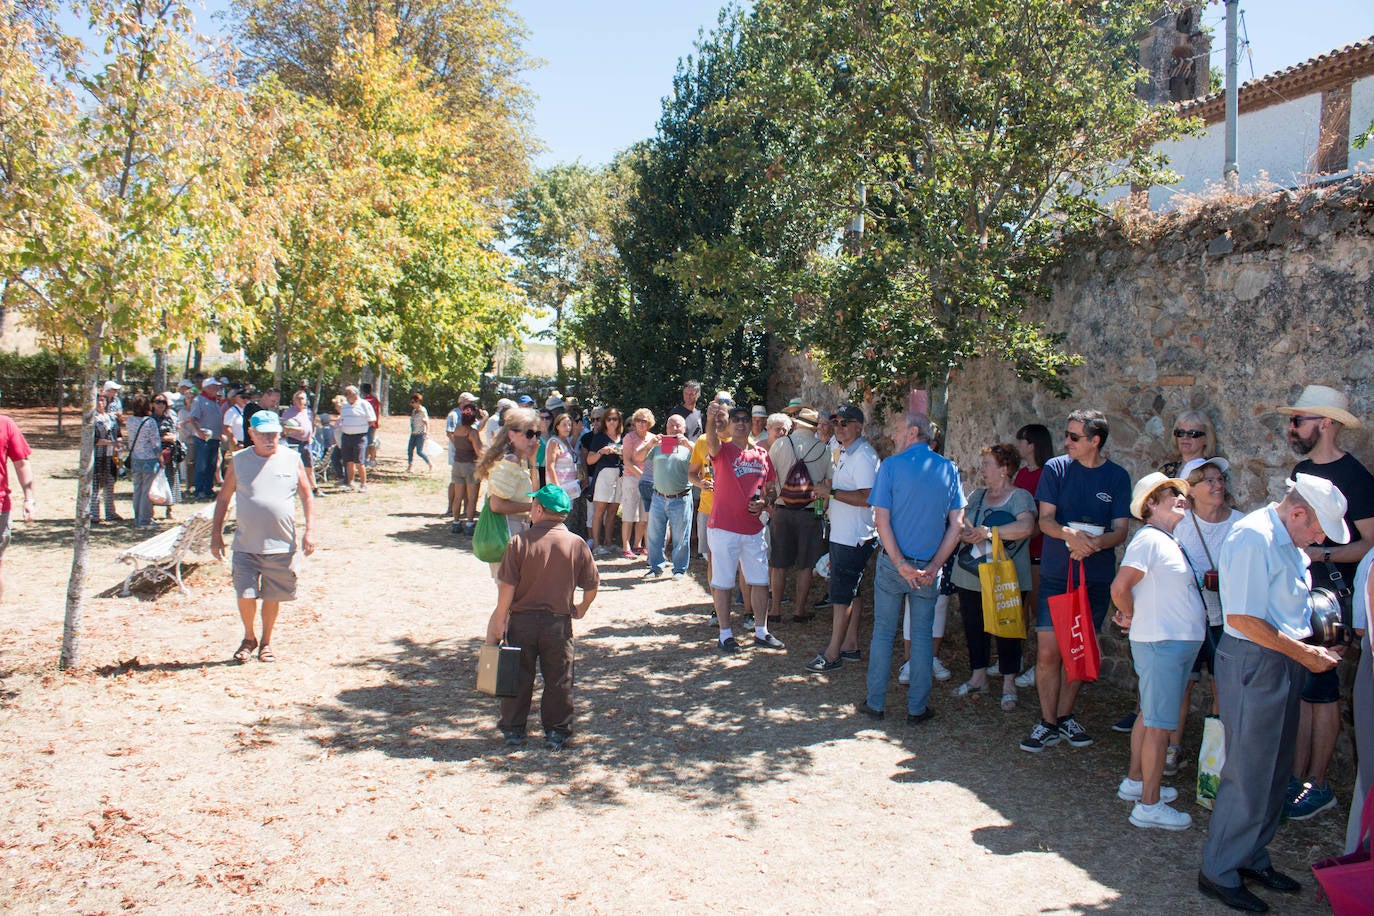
1210, 761
159, 492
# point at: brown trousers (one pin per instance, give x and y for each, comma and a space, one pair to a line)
545, 639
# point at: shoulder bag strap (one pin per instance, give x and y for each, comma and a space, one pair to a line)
1211, 564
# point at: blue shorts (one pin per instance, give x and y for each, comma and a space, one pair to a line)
1322, 688
1099, 597
1163, 668
847, 570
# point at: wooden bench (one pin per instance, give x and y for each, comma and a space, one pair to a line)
160, 557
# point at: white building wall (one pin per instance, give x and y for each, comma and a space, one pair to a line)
1361, 114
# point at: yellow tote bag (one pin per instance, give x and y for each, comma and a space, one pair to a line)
1001, 593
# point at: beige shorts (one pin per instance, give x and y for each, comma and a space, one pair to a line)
464, 472
631, 506
265, 576
607, 485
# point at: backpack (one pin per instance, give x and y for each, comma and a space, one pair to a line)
798, 490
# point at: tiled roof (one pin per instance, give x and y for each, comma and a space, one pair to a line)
1323, 72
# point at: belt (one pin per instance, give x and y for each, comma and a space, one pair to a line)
806, 508
674, 495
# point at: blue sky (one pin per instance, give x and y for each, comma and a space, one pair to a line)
609, 63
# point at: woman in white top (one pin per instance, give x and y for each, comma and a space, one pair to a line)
419, 432
1209, 519
1159, 605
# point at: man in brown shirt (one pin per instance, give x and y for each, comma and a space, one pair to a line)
539, 573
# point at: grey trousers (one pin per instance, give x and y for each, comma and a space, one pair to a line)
1259, 689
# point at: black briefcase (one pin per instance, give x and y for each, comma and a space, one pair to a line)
498, 670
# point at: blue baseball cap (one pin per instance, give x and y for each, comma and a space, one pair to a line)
266, 421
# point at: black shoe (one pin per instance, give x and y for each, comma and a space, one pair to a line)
729, 646
821, 664
917, 718
1125, 723
1274, 880
852, 655
768, 641
513, 738
874, 714
554, 741
1237, 898
824, 602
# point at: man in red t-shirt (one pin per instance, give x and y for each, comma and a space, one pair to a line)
13, 449
745, 485
370, 398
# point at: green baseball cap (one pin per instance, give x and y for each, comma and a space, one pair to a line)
553, 498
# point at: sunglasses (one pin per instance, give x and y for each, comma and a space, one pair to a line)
1297, 420
1074, 437
529, 433
160, 402
1189, 434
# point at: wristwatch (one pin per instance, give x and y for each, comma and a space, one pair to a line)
1326, 556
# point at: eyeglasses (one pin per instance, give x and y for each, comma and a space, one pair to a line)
1074, 437
1213, 480
1297, 420
1190, 433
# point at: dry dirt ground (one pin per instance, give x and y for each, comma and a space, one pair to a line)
362, 769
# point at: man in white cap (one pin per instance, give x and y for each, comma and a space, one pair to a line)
1315, 422
205, 423
266, 478
1260, 665
113, 403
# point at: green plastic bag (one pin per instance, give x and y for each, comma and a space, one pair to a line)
489, 540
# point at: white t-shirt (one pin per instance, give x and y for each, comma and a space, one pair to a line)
1167, 603
455, 420
233, 418
1213, 533
855, 469
355, 418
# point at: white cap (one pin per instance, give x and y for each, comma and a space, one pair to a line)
112, 386
1327, 501
1197, 464
184, 383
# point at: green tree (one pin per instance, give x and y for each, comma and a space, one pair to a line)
983, 133
117, 218
471, 51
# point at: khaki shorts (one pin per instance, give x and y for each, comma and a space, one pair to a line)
265, 576
464, 472
607, 486
631, 507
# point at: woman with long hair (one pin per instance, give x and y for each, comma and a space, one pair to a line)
560, 466
506, 466
106, 431
145, 453
604, 463
1035, 446
172, 449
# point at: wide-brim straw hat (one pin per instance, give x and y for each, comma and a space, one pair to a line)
1323, 401
1146, 487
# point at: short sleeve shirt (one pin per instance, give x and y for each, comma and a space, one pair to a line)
919, 489
509, 479
12, 448
739, 475
546, 563
702, 461
1264, 575
1357, 486
856, 468
1094, 496
1168, 605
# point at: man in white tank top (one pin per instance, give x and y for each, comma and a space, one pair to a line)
266, 479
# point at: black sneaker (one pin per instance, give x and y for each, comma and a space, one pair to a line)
1074, 733
513, 738
820, 663
917, 718
1125, 723
554, 741
1041, 737
852, 655
729, 646
768, 641
874, 714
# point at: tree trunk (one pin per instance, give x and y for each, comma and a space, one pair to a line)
81, 540
196, 354
558, 372
939, 401
280, 328
159, 370
383, 391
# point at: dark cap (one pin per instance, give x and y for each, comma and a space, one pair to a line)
849, 412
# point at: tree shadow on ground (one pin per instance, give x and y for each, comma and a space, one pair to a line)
436, 534
133, 665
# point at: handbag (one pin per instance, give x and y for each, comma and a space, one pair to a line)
1210, 759
1001, 593
159, 492
490, 536
969, 557
1347, 881
1072, 615
498, 670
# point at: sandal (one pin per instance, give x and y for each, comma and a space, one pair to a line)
1008, 701
245, 650
265, 654
967, 689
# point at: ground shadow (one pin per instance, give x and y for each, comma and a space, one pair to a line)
438, 535
132, 665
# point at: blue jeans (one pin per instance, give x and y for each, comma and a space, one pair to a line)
890, 592
646, 494
415, 445
207, 456
663, 512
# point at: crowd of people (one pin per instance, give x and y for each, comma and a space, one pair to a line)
1200, 587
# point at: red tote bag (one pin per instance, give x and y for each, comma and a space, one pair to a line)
1348, 881
1072, 616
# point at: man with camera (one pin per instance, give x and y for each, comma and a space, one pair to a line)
1261, 662
1315, 422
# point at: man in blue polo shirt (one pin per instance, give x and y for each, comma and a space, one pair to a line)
918, 506
1261, 663
1085, 508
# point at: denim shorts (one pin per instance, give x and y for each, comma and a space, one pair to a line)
847, 570
1163, 668
1322, 688
1099, 597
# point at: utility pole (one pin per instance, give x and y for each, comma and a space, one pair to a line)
1231, 171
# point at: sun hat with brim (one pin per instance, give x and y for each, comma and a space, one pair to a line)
1146, 487
554, 402
1197, 464
266, 421
1327, 501
792, 407
806, 417
552, 498
184, 383
759, 411
1322, 401
111, 386
466, 397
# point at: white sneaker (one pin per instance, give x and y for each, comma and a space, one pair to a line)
1026, 678
1160, 815
904, 676
1130, 790
938, 669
